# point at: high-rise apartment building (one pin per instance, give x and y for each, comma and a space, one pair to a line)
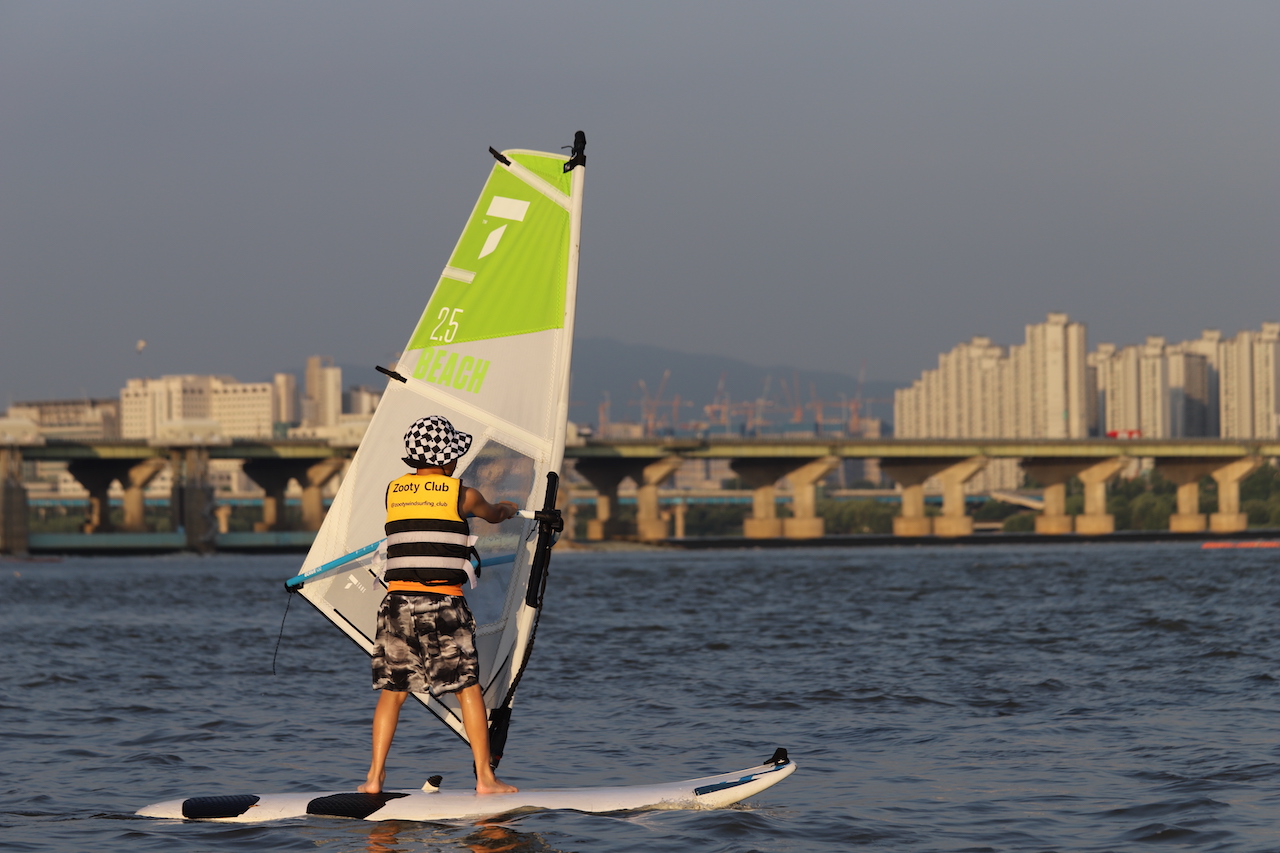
1037, 390
322, 400
1189, 401
286, 398
1248, 374
1046, 388
362, 400
1209, 347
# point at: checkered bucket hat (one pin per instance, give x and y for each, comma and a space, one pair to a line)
432, 442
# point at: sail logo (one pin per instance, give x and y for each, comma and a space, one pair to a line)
501, 207
439, 366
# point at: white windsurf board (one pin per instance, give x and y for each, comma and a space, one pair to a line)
708, 792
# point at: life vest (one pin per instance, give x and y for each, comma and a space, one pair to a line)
428, 542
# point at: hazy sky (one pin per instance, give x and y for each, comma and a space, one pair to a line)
823, 185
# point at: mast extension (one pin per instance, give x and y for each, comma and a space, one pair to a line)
577, 156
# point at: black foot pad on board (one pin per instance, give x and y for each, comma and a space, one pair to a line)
350, 805
208, 808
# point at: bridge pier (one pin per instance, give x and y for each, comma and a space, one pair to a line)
1053, 475
134, 476
1096, 520
650, 525
911, 475
13, 503
135, 481
762, 476
273, 475
1186, 474
1229, 518
97, 475
315, 478
649, 473
605, 475
805, 523
192, 503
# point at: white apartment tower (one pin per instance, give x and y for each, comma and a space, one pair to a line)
322, 403
286, 396
1037, 390
1249, 367
1209, 347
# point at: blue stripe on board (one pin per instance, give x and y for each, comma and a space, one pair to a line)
720, 786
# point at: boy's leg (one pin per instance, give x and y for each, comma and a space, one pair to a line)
476, 722
385, 717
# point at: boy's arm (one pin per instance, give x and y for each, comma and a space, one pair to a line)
474, 503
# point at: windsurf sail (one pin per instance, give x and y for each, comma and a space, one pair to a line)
491, 353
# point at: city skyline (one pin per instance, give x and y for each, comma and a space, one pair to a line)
824, 187
1056, 386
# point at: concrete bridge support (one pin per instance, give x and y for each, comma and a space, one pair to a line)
762, 476
97, 476
954, 521
13, 503
1186, 474
805, 522
1096, 521
605, 475
134, 476
650, 525
648, 474
911, 475
678, 512
1229, 518
273, 475
135, 481
192, 503
1053, 475
313, 482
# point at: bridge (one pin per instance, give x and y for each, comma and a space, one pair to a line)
760, 463
135, 463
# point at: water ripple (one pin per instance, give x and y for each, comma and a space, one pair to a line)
1074, 698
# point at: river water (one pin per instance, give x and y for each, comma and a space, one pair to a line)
996, 698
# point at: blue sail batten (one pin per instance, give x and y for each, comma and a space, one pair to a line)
299, 580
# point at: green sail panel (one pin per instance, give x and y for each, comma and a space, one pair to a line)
515, 250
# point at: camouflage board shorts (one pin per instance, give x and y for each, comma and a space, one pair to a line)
425, 643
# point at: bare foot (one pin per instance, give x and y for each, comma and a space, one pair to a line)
373, 785
494, 785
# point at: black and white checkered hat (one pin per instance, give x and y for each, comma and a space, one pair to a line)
432, 442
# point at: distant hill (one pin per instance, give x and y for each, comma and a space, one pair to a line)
604, 366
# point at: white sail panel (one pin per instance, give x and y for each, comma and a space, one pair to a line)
491, 353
